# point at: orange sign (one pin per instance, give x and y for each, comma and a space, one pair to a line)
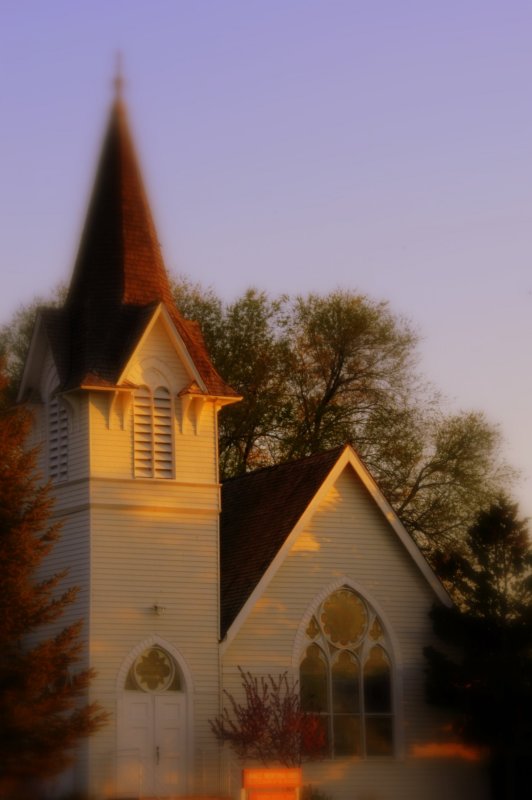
272, 778
272, 794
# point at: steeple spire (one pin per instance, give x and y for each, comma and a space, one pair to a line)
119, 277
119, 259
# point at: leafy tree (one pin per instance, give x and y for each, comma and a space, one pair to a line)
15, 336
270, 726
43, 714
487, 680
247, 342
317, 371
347, 356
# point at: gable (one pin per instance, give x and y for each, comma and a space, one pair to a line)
259, 511
42, 366
268, 524
159, 358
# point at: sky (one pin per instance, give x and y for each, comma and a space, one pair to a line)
296, 146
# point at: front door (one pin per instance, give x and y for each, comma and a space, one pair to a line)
151, 758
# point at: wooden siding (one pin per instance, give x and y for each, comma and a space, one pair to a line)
154, 542
143, 557
349, 538
194, 433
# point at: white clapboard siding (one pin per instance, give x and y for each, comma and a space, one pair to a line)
349, 537
142, 557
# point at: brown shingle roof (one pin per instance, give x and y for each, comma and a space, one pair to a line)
259, 510
119, 277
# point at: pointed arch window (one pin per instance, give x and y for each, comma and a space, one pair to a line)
57, 439
152, 433
154, 670
346, 676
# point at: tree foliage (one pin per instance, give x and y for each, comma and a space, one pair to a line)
270, 726
42, 711
487, 681
316, 371
15, 337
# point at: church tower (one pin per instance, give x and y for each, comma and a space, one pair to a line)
126, 402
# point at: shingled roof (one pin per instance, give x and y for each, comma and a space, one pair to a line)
119, 278
259, 511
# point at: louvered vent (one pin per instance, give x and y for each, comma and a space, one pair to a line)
153, 433
162, 433
143, 433
58, 440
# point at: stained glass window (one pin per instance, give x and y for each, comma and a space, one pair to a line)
346, 676
153, 671
344, 618
313, 680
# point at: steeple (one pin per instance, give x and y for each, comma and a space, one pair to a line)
119, 260
119, 277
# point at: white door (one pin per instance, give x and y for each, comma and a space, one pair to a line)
151, 750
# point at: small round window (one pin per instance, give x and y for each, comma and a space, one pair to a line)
153, 671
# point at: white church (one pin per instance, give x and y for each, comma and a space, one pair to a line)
303, 567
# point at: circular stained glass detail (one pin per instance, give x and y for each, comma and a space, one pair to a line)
344, 618
153, 671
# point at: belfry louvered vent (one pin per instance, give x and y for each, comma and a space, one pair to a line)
152, 424
58, 440
162, 433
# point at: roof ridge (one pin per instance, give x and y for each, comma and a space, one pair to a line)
270, 467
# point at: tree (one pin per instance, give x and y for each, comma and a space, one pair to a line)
487, 680
270, 726
247, 342
347, 357
15, 336
317, 371
43, 713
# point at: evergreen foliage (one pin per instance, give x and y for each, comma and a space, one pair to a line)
486, 675
43, 713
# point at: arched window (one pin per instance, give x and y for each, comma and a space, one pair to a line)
152, 433
57, 439
154, 670
346, 677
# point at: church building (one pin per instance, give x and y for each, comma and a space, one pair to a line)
301, 568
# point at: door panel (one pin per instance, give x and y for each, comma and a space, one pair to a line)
151, 751
170, 736
135, 757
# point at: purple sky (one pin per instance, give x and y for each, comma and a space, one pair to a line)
380, 146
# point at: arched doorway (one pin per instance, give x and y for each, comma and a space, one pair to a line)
152, 724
